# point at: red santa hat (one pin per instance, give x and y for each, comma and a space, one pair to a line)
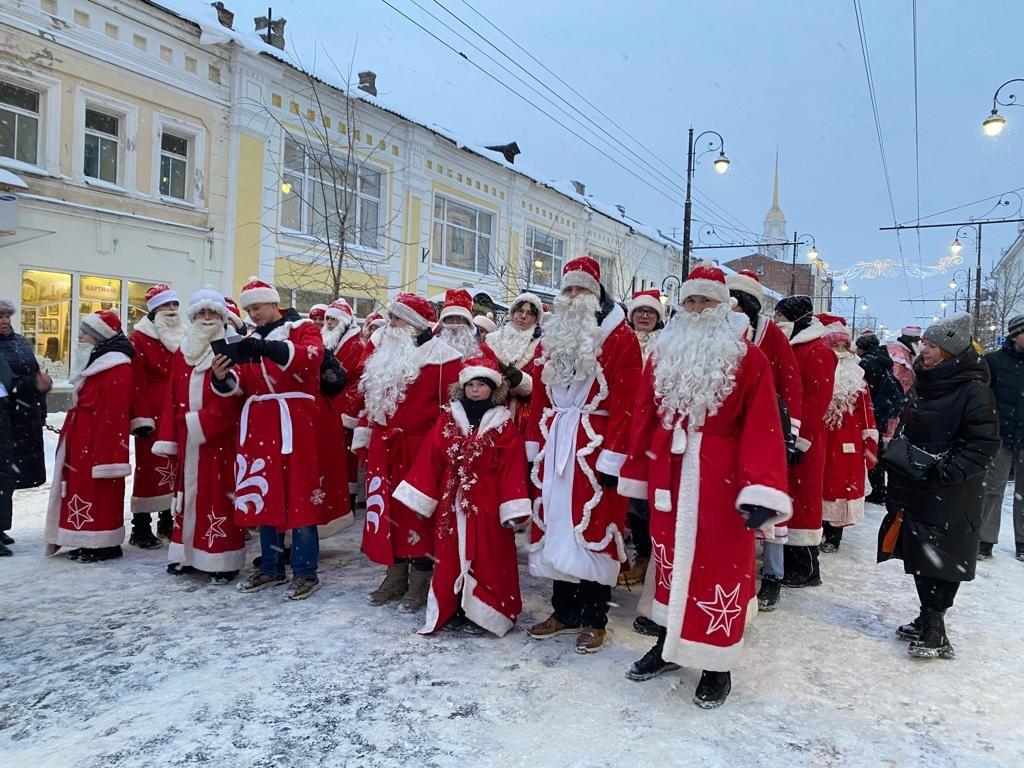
529, 298
256, 291
318, 312
158, 295
650, 299
867, 332
480, 368
485, 323
836, 331
745, 281
375, 320
705, 280
207, 297
234, 313
457, 303
102, 325
413, 309
583, 272
914, 331
340, 310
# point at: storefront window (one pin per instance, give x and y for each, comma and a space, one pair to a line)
98, 293
46, 317
136, 304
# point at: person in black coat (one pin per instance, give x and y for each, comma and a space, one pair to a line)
1006, 366
6, 455
27, 402
887, 400
932, 524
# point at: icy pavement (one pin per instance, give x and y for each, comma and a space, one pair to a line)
120, 664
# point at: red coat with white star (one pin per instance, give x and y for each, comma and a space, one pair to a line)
277, 473
473, 484
351, 353
151, 368
392, 530
852, 449
695, 479
198, 429
576, 433
86, 507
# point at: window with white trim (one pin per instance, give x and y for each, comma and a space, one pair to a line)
545, 254
102, 147
174, 162
317, 187
19, 123
609, 271
462, 235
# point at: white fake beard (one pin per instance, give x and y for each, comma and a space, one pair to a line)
331, 338
170, 329
80, 359
695, 362
389, 371
196, 344
572, 340
849, 382
510, 344
462, 338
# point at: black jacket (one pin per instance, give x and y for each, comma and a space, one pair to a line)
27, 411
950, 411
1006, 366
887, 395
7, 475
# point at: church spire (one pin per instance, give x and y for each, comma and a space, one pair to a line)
775, 219
775, 189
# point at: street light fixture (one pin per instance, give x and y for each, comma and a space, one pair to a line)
956, 247
952, 285
721, 163
844, 287
715, 142
864, 307
813, 254
993, 124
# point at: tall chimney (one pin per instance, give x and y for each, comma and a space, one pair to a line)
274, 34
224, 16
368, 82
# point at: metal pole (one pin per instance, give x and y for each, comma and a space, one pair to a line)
977, 288
687, 207
853, 323
792, 278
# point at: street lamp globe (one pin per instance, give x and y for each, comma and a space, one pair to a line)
813, 254
721, 163
864, 306
844, 287
956, 247
935, 318
992, 327
952, 285
993, 124
943, 304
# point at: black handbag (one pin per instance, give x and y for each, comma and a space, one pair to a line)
907, 459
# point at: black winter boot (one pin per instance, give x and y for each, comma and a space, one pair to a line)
1020, 551
933, 643
652, 664
912, 631
644, 626
142, 535
768, 594
165, 525
713, 689
985, 550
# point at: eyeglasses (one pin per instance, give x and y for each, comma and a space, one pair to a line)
645, 311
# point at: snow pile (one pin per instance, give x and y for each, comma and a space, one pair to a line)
120, 664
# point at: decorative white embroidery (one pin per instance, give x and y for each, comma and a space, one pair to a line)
310, 351
168, 474
374, 503
244, 478
723, 610
414, 538
317, 497
215, 531
662, 566
78, 512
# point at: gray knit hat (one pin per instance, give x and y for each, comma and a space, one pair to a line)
951, 334
1015, 326
7, 308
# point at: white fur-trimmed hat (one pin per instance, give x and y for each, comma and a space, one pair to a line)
457, 303
651, 299
528, 298
158, 295
318, 311
256, 291
583, 272
413, 309
485, 323
339, 310
746, 281
207, 297
480, 368
102, 325
705, 280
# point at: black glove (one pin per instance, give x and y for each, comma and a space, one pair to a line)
252, 347
755, 514
513, 374
794, 456
607, 481
142, 431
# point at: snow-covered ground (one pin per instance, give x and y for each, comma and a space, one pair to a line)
120, 664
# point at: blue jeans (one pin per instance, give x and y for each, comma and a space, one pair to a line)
305, 551
774, 565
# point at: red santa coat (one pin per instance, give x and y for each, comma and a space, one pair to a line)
392, 530
473, 483
198, 429
817, 364
151, 369
521, 397
852, 449
695, 479
86, 504
575, 433
351, 353
277, 476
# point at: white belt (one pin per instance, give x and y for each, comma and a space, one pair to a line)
286, 417
563, 431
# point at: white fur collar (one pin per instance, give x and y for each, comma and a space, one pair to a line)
346, 337
762, 326
146, 327
814, 331
493, 419
611, 322
283, 331
376, 336
437, 351
103, 363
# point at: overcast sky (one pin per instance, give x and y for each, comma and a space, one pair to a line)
786, 74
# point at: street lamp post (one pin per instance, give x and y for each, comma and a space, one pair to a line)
964, 288
993, 124
664, 290
811, 254
721, 165
955, 248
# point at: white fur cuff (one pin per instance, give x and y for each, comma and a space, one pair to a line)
610, 462
415, 500
165, 448
360, 438
111, 471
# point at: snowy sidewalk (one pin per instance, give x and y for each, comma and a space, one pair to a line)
120, 664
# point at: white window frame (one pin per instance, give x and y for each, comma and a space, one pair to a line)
128, 131
306, 203
609, 264
194, 177
48, 141
490, 266
531, 254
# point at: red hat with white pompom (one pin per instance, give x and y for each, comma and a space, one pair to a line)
374, 320
234, 313
746, 281
480, 368
457, 303
102, 325
651, 299
705, 280
158, 295
485, 323
257, 291
318, 312
836, 331
583, 272
339, 310
413, 309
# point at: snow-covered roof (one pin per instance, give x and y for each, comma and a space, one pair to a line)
8, 179
212, 32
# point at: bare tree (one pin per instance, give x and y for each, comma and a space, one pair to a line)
1002, 298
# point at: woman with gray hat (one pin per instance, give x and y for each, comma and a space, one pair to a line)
947, 436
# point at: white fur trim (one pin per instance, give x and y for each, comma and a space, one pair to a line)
532, 449
94, 323
66, 537
804, 537
414, 499
525, 388
140, 422
335, 526
456, 311
581, 279
712, 289
349, 422
236, 388
360, 438
111, 471
220, 308
814, 331
514, 510
164, 297
803, 444
410, 315
194, 428
266, 295
291, 355
633, 489
744, 284
165, 448
146, 327
471, 372
663, 499
215, 562
869, 434
147, 505
436, 352
772, 498
528, 298
610, 462
645, 300
494, 418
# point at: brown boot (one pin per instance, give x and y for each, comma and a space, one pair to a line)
395, 584
551, 627
590, 640
416, 598
634, 575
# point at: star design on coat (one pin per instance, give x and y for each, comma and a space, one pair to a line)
662, 565
723, 610
215, 531
78, 512
167, 474
317, 497
311, 351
